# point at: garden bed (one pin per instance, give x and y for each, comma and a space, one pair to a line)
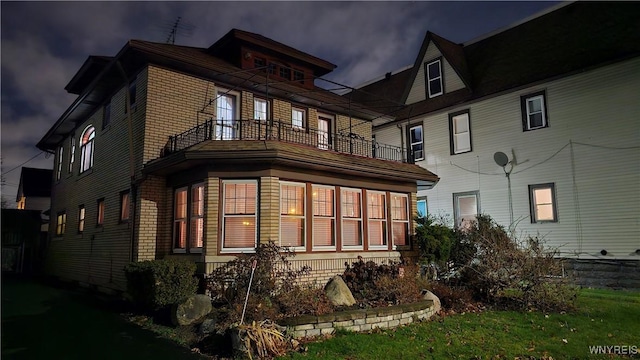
359, 320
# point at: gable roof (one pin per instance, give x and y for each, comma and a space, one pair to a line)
34, 183
571, 39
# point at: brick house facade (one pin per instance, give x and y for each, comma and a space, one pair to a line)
201, 154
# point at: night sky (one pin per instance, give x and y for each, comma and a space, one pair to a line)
45, 43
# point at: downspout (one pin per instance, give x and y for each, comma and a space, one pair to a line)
132, 175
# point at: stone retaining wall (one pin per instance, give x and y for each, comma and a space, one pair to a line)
359, 320
602, 273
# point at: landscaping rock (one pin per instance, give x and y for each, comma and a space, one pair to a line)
208, 326
428, 295
338, 292
191, 310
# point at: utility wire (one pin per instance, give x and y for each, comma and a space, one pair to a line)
35, 156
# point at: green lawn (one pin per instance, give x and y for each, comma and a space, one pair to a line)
603, 318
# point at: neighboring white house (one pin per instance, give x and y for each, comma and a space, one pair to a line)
559, 95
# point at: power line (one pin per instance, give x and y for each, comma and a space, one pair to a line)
35, 156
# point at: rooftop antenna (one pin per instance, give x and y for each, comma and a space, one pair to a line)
178, 27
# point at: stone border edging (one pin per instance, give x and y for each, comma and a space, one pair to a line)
358, 320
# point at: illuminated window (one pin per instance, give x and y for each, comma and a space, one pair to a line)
377, 219
86, 148
100, 212
351, 218
400, 219
260, 109
72, 155
188, 218
297, 118
465, 208
292, 215
124, 206
81, 215
225, 116
61, 223
543, 203
324, 218
239, 230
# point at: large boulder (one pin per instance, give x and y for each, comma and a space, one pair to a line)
191, 310
338, 292
428, 295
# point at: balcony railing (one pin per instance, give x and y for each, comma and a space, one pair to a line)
349, 143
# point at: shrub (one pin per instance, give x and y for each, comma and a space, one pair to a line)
304, 300
273, 276
156, 284
374, 285
435, 239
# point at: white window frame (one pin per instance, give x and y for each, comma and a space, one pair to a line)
225, 216
72, 153
422, 199
59, 167
333, 218
535, 204
87, 148
344, 218
384, 222
436, 78
260, 109
415, 144
302, 216
294, 118
225, 128
457, 134
527, 111
456, 205
395, 220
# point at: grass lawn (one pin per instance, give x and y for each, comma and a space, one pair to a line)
44, 322
603, 318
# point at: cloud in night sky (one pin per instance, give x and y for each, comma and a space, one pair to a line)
45, 43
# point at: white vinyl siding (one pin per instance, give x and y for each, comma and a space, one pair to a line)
602, 156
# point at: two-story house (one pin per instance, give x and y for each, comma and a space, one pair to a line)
203, 153
537, 125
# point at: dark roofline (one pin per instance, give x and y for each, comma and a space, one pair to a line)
92, 66
322, 66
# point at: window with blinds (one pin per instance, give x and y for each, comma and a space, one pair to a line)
239, 215
400, 219
351, 218
377, 219
180, 220
292, 215
324, 218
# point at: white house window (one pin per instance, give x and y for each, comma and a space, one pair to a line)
400, 219
465, 208
260, 109
534, 111
460, 132
239, 215
324, 218
86, 148
292, 215
297, 118
225, 115
81, 216
351, 218
59, 167
188, 218
417, 142
422, 206
377, 219
543, 203
434, 78
72, 155
61, 223
124, 206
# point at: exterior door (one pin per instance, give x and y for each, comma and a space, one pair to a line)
324, 133
226, 114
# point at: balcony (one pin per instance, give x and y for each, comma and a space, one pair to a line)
229, 130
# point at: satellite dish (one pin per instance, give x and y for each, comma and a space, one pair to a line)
501, 158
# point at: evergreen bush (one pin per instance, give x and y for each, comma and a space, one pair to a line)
156, 284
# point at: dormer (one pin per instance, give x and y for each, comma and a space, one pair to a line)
283, 63
440, 68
